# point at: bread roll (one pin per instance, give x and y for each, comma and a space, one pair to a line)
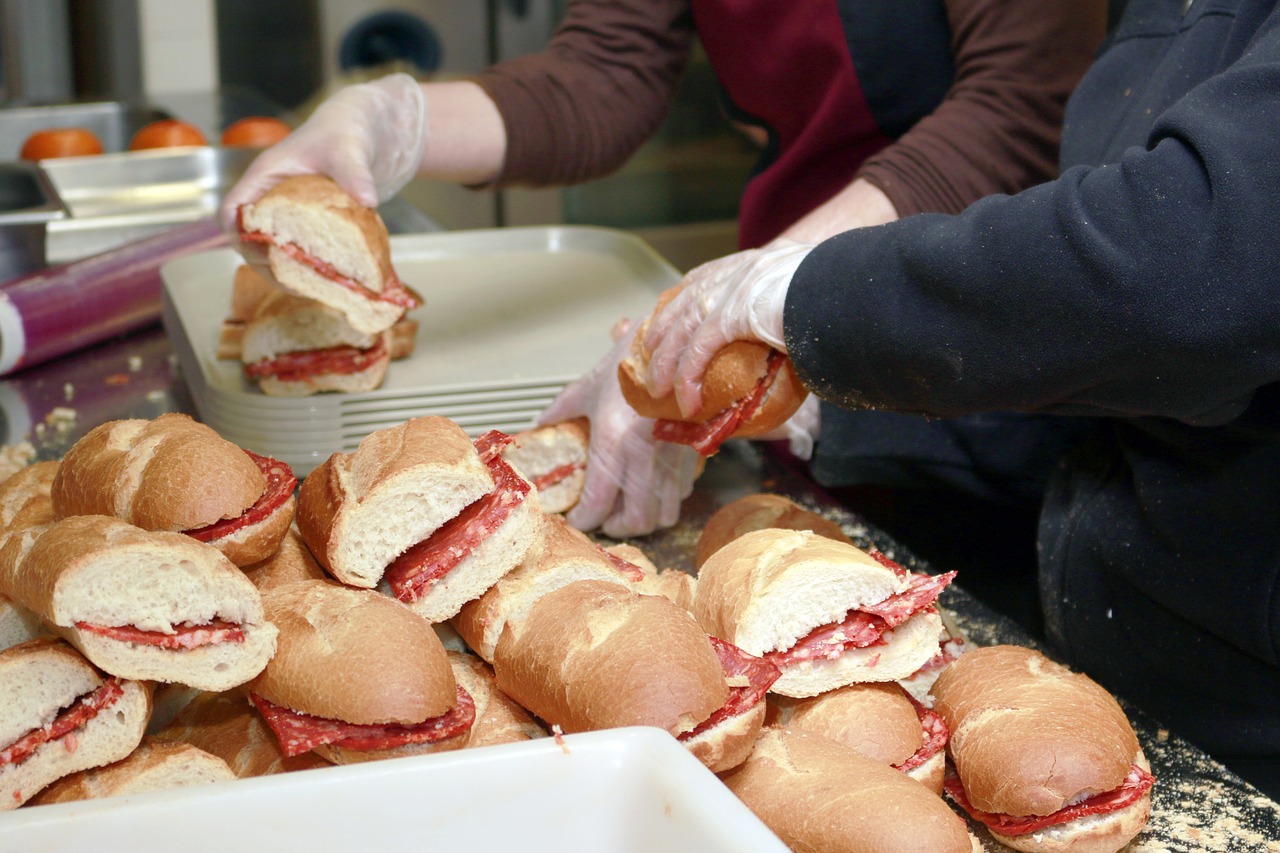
760, 512
226, 725
156, 765
554, 459
498, 719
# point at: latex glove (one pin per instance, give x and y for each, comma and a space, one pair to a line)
369, 138
634, 484
800, 431
739, 297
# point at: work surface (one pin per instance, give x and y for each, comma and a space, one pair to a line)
1198, 805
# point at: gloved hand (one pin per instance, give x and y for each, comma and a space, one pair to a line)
369, 138
800, 431
739, 297
634, 484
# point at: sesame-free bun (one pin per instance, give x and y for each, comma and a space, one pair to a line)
820, 796
769, 588
759, 512
156, 765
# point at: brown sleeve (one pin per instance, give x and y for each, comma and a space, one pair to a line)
997, 130
579, 108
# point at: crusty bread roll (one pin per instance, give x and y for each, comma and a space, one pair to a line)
498, 719
669, 583
361, 660
554, 459
820, 796
61, 715
1029, 737
323, 244
25, 507
292, 562
561, 555
226, 725
769, 591
595, 655
402, 491
156, 765
175, 474
878, 720
143, 605
759, 512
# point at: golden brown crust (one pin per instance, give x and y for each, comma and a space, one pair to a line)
170, 473
256, 542
1027, 734
819, 795
248, 289
757, 512
226, 725
875, 720
498, 719
353, 655
727, 744
291, 562
589, 654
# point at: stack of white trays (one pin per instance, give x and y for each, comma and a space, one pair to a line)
511, 315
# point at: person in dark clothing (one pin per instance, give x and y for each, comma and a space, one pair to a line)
1132, 299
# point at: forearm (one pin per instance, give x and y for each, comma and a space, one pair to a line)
858, 205
466, 138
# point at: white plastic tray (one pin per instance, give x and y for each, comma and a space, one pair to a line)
618, 791
512, 315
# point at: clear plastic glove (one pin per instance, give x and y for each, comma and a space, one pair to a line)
369, 138
739, 297
800, 430
634, 484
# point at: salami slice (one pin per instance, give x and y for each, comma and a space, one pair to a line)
1135, 785
558, 475
393, 292
935, 733
299, 733
76, 715
707, 437
280, 486
183, 636
629, 570
303, 364
737, 664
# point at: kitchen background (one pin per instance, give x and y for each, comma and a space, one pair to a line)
212, 61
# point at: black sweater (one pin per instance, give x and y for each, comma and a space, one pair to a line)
1142, 291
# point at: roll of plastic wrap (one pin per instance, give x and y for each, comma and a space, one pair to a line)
61, 309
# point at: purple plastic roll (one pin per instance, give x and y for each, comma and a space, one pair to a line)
61, 309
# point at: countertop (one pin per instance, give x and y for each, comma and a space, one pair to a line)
1198, 805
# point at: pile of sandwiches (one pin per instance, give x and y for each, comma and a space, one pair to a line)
177, 611
318, 306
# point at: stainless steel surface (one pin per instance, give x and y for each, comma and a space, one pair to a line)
114, 122
28, 202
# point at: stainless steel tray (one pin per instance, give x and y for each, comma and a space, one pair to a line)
511, 316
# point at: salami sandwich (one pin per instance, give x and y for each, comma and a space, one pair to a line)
820, 796
498, 719
561, 556
749, 389
438, 518
156, 765
554, 459
321, 243
24, 506
60, 715
825, 613
174, 474
1044, 757
595, 655
140, 604
227, 725
759, 512
878, 720
358, 676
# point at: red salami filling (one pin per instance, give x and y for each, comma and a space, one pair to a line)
414, 571
393, 291
280, 486
865, 627
736, 663
1135, 785
880, 558
76, 715
934, 729
299, 733
707, 437
183, 636
558, 475
303, 364
629, 570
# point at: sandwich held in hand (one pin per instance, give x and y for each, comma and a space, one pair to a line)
1044, 757
174, 474
825, 613
554, 459
358, 676
420, 506
60, 715
322, 244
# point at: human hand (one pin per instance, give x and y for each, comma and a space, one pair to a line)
735, 298
634, 484
369, 138
800, 431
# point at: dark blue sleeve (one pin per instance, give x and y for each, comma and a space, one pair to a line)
1150, 286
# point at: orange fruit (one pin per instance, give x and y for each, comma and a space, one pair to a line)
167, 133
255, 132
61, 142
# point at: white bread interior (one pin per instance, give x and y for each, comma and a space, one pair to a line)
372, 316
346, 383
287, 323
156, 765
536, 452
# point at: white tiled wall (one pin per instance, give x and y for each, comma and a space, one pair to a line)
179, 46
